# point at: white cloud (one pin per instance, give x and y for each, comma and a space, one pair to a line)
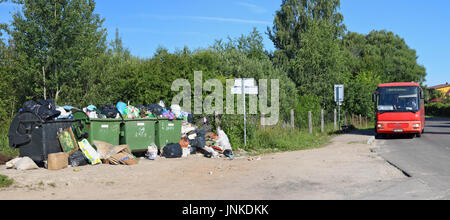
254, 8
205, 18
234, 20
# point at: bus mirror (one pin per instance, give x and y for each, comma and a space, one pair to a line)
374, 97
422, 95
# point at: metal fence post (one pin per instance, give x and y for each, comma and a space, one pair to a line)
310, 122
292, 119
335, 119
322, 122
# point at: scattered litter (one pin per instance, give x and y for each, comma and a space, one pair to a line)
22, 163
58, 161
89, 152
172, 151
152, 152
77, 159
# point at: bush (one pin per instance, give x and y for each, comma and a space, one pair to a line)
438, 109
4, 142
305, 104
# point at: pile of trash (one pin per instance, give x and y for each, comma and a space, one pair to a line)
135, 112
194, 138
48, 111
86, 155
199, 138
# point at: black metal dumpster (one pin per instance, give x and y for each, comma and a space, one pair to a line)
36, 138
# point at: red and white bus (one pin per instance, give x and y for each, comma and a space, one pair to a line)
400, 109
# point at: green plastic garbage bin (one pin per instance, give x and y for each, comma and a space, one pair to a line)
138, 134
106, 130
167, 132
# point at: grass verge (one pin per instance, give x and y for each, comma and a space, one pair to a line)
277, 139
5, 181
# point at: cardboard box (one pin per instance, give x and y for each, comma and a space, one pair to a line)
58, 161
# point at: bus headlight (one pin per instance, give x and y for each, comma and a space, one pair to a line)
380, 126
416, 126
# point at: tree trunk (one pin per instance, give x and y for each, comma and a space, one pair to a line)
43, 77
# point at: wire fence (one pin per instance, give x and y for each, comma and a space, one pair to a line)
325, 121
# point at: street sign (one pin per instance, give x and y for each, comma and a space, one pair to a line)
237, 90
244, 86
247, 82
339, 94
339, 99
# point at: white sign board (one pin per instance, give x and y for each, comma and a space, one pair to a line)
247, 83
339, 94
250, 87
247, 90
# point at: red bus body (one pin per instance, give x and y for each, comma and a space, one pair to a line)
403, 122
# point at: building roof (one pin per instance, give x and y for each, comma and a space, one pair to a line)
436, 100
399, 84
440, 86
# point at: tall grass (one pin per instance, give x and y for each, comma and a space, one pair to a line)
4, 143
5, 181
275, 139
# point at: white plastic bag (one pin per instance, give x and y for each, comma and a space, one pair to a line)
152, 152
24, 163
223, 141
10, 164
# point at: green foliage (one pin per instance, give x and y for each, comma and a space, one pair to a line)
5, 181
51, 40
274, 139
47, 57
359, 93
318, 65
438, 109
305, 104
295, 18
384, 54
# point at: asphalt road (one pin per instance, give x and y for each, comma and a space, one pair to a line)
425, 160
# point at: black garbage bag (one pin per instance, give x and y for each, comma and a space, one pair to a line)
77, 159
190, 118
47, 114
30, 106
172, 151
109, 110
199, 143
228, 153
156, 109
45, 109
48, 104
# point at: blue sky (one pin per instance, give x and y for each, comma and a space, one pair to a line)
146, 24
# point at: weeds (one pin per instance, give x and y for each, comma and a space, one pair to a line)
5, 181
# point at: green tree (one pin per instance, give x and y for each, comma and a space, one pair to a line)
295, 18
52, 38
319, 64
385, 54
359, 94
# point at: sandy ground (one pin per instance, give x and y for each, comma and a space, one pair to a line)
345, 169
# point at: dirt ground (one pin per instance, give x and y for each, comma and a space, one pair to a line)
345, 169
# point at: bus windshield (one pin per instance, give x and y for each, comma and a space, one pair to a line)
398, 99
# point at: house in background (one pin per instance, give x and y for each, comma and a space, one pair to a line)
443, 88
